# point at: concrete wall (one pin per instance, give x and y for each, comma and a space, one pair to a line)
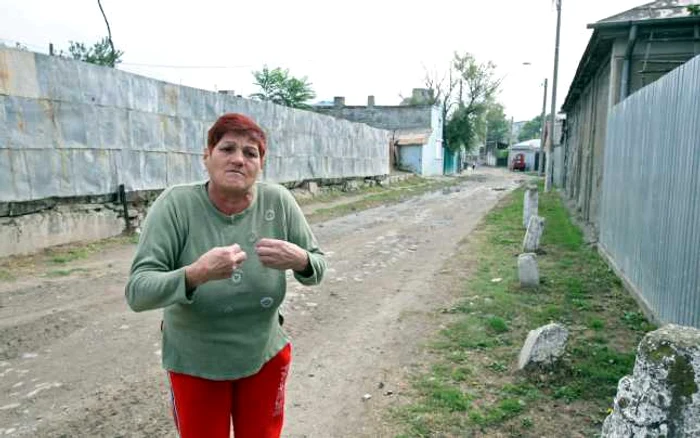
71, 129
383, 117
433, 151
60, 225
401, 118
71, 133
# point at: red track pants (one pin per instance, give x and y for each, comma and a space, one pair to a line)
204, 408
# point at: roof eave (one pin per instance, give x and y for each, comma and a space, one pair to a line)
653, 21
579, 71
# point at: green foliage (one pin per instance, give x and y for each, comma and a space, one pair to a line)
596, 324
476, 86
100, 53
502, 154
278, 86
497, 124
531, 130
466, 96
459, 129
694, 9
497, 324
70, 256
6, 275
419, 100
568, 393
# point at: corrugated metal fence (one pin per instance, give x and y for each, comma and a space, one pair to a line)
69, 128
650, 208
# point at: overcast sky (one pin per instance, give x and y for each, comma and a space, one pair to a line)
351, 49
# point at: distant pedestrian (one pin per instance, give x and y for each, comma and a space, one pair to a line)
213, 256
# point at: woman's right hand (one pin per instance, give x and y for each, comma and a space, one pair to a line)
216, 264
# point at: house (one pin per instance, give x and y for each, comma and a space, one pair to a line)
416, 131
626, 52
526, 152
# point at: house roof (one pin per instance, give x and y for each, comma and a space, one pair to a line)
530, 145
658, 10
413, 138
604, 32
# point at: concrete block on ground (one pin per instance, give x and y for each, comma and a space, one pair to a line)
313, 188
351, 186
530, 204
527, 270
543, 347
661, 397
535, 228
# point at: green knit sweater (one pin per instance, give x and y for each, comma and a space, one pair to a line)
226, 329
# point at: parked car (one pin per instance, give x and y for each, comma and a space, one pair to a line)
519, 162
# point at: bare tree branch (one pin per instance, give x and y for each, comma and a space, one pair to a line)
109, 31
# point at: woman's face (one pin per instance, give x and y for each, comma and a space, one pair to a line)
233, 163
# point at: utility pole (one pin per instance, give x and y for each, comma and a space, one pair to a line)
544, 123
550, 142
510, 137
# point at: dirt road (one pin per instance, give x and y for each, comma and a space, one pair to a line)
76, 362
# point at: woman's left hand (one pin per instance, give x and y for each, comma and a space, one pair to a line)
282, 255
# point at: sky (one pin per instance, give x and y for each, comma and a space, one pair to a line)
352, 49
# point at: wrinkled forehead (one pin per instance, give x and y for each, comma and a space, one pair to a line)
242, 140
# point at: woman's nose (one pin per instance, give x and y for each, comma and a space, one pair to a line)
236, 156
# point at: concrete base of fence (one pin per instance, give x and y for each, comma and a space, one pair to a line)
527, 270
535, 228
530, 204
543, 347
30, 227
61, 225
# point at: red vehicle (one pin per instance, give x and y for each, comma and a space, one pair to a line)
519, 162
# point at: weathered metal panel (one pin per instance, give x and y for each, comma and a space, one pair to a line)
74, 129
650, 208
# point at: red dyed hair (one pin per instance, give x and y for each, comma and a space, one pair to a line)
237, 124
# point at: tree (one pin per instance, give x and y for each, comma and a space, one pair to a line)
278, 86
101, 53
472, 89
497, 124
531, 129
461, 126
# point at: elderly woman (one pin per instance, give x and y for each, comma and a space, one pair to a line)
214, 256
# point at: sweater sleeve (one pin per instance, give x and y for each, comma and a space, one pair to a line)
154, 281
300, 233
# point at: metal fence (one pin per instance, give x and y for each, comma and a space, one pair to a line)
70, 129
650, 207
